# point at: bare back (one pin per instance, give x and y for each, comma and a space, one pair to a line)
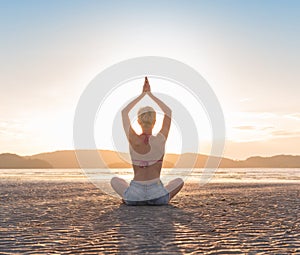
147, 158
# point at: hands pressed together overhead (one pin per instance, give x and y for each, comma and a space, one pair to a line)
147, 91
146, 87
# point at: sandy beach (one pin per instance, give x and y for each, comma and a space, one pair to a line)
75, 217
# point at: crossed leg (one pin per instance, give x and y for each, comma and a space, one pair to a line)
119, 185
174, 186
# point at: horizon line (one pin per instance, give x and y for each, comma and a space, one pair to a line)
274, 155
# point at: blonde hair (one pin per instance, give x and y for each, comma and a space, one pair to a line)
146, 116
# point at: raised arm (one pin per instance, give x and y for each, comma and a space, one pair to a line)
129, 131
167, 117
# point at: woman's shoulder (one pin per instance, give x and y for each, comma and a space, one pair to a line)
159, 137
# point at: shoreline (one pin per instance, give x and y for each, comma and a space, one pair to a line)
188, 180
196, 176
71, 217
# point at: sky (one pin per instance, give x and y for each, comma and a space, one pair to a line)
248, 52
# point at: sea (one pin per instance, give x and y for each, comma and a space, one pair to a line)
220, 175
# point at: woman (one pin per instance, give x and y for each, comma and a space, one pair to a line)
147, 152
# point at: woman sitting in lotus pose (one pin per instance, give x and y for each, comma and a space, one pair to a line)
147, 152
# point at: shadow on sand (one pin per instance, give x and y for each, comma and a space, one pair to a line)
152, 229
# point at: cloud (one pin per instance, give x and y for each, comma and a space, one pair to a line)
295, 116
266, 128
267, 115
12, 128
285, 133
246, 99
245, 127
250, 127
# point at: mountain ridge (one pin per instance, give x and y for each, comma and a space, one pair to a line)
10, 160
113, 159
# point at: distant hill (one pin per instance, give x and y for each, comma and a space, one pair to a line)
278, 161
112, 159
68, 159
8, 160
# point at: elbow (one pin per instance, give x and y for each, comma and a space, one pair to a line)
169, 113
124, 112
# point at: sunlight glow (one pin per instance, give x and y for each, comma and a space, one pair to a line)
116, 101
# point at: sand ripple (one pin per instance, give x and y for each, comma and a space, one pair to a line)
70, 218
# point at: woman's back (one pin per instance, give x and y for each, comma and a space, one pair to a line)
147, 152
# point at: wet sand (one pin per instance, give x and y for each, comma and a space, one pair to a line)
75, 217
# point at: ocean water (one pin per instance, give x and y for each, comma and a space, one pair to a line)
277, 175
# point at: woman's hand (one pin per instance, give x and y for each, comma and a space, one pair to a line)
146, 87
